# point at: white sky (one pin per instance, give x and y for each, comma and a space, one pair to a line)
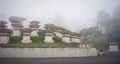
72, 14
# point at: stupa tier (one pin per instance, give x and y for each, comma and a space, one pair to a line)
58, 31
34, 24
14, 19
35, 27
75, 38
49, 29
26, 30
3, 24
16, 24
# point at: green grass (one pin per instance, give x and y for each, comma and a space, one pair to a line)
31, 45
49, 45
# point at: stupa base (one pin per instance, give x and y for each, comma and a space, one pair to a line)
4, 39
16, 33
48, 39
34, 33
26, 39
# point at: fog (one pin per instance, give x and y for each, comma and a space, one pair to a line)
71, 14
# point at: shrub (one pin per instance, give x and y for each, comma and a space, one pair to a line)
36, 39
57, 39
15, 39
41, 34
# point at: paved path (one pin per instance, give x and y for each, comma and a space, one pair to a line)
109, 58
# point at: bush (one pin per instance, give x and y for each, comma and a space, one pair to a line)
57, 39
41, 34
36, 39
15, 39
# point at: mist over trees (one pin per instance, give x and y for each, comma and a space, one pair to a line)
111, 24
107, 30
94, 37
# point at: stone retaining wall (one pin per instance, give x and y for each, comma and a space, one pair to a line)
46, 52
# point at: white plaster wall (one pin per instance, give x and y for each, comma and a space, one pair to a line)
79, 40
113, 48
48, 39
26, 39
66, 39
75, 40
58, 34
34, 33
4, 39
16, 33
46, 52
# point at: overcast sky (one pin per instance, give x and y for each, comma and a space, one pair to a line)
72, 14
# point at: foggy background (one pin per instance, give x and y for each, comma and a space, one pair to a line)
72, 14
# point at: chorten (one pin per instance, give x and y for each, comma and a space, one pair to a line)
26, 35
66, 36
49, 33
75, 38
113, 46
4, 33
58, 31
16, 24
35, 27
